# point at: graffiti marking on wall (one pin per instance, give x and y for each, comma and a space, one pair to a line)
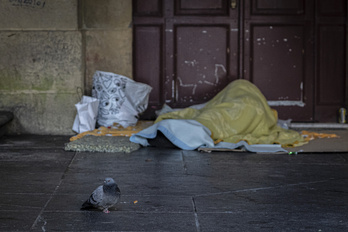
28, 3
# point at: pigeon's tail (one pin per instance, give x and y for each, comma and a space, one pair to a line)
87, 206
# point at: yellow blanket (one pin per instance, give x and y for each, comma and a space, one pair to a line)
240, 112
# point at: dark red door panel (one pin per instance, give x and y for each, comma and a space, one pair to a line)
202, 7
331, 40
279, 54
148, 59
202, 62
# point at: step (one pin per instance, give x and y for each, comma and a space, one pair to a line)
319, 125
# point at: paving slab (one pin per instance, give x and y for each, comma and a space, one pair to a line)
116, 221
17, 220
272, 221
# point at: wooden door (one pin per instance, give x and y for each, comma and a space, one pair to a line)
186, 50
293, 50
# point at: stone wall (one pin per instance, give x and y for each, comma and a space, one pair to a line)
50, 49
107, 33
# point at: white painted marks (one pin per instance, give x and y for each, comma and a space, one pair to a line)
191, 62
193, 86
219, 68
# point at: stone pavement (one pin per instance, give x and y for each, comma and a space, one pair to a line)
43, 187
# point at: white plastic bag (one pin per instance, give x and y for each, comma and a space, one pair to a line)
121, 98
87, 112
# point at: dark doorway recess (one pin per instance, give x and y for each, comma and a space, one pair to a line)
293, 50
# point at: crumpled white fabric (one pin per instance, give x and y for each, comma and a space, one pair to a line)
87, 112
189, 134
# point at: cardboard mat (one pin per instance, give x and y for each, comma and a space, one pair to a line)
325, 145
332, 141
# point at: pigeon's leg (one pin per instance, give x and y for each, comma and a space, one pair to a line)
106, 210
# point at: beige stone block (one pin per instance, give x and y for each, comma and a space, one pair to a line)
109, 51
38, 14
39, 75
106, 13
40, 61
40, 112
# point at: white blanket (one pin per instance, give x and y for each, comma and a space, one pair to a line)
190, 135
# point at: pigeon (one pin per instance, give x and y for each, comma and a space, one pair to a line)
103, 197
